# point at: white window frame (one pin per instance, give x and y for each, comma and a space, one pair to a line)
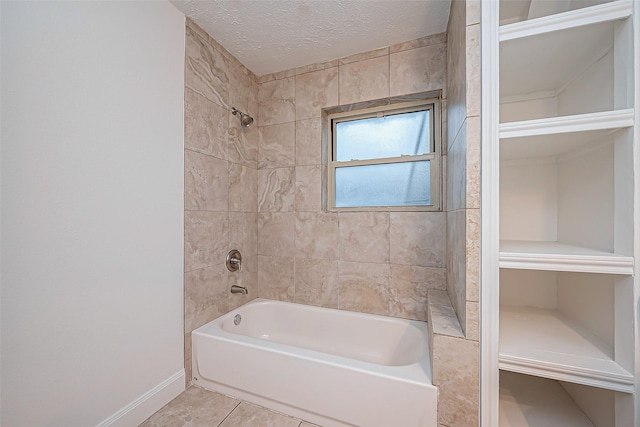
434, 156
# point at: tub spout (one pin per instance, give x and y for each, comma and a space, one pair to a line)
235, 289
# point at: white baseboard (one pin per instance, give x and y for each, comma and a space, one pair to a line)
148, 404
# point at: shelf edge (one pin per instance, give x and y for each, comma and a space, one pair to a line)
590, 15
578, 123
572, 374
578, 264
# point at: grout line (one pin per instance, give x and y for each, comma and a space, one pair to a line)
230, 412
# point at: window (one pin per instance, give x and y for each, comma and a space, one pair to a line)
385, 158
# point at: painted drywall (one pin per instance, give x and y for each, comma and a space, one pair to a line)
92, 211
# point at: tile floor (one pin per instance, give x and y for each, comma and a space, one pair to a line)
197, 407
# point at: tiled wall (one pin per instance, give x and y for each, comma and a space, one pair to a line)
221, 182
375, 262
456, 355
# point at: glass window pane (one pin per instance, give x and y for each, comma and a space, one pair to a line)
394, 184
379, 137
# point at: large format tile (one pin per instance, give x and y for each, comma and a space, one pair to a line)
316, 282
309, 188
418, 70
408, 289
276, 101
277, 145
418, 238
206, 182
364, 287
364, 236
275, 277
276, 190
205, 295
195, 407
205, 125
243, 143
243, 188
249, 415
205, 238
315, 91
276, 231
316, 235
309, 142
364, 80
206, 71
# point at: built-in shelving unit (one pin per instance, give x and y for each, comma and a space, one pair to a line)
567, 139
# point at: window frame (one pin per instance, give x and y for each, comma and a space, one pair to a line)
434, 156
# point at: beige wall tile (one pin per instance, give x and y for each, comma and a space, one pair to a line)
473, 321
473, 70
439, 297
408, 289
316, 67
316, 282
205, 295
473, 12
456, 262
315, 91
276, 190
277, 145
316, 235
206, 70
188, 376
421, 42
275, 277
418, 238
243, 143
205, 126
364, 236
205, 238
384, 51
242, 84
418, 70
243, 188
457, 379
308, 188
473, 162
364, 80
279, 75
364, 287
457, 171
443, 321
276, 100
276, 231
309, 142
205, 182
472, 255
456, 70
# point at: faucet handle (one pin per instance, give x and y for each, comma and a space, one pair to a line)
234, 260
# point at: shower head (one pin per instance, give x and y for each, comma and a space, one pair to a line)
245, 119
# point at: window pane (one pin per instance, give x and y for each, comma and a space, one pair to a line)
394, 184
379, 137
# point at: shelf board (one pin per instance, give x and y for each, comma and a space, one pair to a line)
537, 402
554, 256
544, 343
590, 122
576, 18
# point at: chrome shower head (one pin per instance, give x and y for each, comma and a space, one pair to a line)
245, 119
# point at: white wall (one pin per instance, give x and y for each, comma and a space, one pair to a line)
92, 211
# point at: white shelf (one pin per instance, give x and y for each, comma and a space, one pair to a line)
564, 127
554, 256
576, 18
544, 343
537, 402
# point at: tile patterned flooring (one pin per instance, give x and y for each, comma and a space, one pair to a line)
197, 407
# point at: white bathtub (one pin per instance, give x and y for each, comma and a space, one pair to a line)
329, 367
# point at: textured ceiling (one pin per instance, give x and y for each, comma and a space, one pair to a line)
274, 35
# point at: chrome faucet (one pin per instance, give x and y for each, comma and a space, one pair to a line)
235, 289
